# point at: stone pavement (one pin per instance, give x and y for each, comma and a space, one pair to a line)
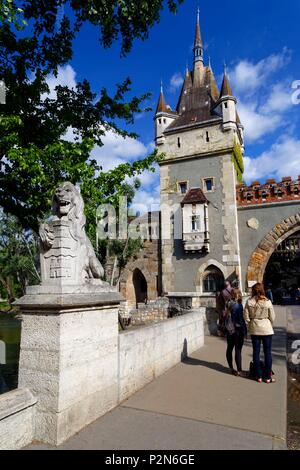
198, 405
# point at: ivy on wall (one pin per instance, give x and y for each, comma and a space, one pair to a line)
237, 159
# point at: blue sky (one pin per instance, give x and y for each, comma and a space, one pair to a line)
258, 39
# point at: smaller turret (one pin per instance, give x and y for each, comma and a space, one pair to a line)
228, 104
164, 116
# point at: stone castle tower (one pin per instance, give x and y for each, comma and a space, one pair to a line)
203, 145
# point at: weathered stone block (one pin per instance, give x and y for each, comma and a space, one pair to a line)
69, 359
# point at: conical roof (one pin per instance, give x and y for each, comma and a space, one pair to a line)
226, 88
161, 105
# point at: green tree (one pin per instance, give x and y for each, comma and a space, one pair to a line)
34, 152
11, 14
18, 258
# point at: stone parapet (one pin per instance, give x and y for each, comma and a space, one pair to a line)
17, 411
69, 360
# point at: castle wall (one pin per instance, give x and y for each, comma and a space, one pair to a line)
194, 140
256, 221
180, 269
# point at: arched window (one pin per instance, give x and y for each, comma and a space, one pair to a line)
213, 279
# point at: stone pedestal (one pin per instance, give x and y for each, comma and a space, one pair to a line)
69, 358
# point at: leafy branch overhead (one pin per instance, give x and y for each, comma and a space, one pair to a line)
35, 154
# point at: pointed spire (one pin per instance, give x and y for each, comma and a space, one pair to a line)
198, 44
226, 88
198, 38
161, 106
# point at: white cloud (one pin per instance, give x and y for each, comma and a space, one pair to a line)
282, 159
66, 76
280, 99
261, 103
247, 76
145, 201
176, 82
256, 123
117, 149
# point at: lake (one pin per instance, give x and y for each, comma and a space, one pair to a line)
10, 334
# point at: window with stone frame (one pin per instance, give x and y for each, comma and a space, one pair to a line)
213, 280
183, 187
208, 184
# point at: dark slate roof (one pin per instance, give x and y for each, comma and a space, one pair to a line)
226, 88
196, 102
194, 196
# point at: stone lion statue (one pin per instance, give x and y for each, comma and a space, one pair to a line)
64, 238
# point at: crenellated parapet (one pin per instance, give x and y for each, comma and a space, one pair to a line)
269, 192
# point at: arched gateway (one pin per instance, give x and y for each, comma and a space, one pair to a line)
263, 252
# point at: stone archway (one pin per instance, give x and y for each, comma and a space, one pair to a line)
202, 272
129, 283
140, 287
263, 252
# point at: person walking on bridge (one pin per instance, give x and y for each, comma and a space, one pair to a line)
260, 316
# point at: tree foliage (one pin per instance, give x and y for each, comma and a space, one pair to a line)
35, 154
11, 14
18, 258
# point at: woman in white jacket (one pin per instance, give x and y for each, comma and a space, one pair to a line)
260, 316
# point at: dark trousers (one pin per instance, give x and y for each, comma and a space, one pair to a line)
266, 373
235, 341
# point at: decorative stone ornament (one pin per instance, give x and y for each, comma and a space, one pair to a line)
69, 340
67, 255
253, 223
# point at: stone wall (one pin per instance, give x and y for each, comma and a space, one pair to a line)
153, 311
69, 360
146, 353
100, 370
262, 227
17, 413
147, 261
181, 270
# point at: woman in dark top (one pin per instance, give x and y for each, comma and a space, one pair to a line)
235, 339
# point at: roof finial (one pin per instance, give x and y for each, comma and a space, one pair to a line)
225, 67
161, 86
198, 44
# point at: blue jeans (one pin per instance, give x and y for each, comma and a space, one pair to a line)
266, 373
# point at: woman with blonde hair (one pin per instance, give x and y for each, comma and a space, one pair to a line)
236, 330
260, 316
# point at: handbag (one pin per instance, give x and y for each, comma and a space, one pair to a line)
229, 325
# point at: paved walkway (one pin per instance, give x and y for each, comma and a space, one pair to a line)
198, 405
